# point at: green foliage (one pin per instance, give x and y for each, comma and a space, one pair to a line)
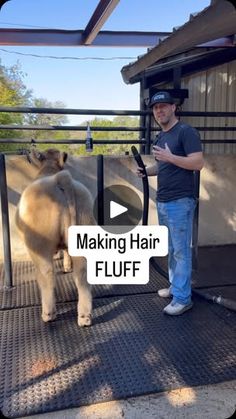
118, 121
13, 93
45, 120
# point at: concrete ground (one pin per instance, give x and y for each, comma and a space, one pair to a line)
205, 402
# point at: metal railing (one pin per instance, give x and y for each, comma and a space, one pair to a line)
145, 129
144, 141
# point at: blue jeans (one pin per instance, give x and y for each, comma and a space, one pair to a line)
178, 217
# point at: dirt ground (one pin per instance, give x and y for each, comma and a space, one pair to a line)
205, 402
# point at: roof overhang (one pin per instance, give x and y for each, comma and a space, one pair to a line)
192, 62
216, 21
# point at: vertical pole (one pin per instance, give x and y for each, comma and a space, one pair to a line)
100, 190
5, 224
195, 222
177, 72
148, 134
143, 118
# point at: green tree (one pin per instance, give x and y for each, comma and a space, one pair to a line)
13, 93
119, 121
44, 120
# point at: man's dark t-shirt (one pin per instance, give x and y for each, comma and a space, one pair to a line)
173, 181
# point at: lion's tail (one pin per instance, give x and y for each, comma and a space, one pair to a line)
65, 183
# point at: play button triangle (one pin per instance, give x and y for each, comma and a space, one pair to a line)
116, 209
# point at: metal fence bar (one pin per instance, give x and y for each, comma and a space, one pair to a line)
94, 128
23, 141
96, 142
67, 128
218, 141
70, 111
216, 128
203, 114
5, 224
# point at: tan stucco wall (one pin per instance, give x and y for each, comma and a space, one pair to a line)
217, 204
218, 200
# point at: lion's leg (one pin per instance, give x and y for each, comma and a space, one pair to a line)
67, 262
84, 292
46, 282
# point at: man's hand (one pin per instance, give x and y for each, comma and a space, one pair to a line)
150, 170
193, 161
139, 172
162, 154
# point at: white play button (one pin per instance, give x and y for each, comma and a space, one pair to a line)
116, 209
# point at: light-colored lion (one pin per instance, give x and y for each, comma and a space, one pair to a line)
47, 207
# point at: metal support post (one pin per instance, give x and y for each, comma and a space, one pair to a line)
100, 190
195, 222
5, 224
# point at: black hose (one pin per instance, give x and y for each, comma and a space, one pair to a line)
225, 302
141, 164
157, 268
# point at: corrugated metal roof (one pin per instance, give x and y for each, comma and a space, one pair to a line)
216, 21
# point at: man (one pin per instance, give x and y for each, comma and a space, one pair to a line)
177, 151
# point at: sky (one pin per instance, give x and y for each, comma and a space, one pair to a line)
86, 82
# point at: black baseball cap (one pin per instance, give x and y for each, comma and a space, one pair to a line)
161, 97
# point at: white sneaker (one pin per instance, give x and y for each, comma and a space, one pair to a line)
174, 309
164, 293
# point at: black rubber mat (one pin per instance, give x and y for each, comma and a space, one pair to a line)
215, 276
216, 266
26, 293
228, 292
132, 349
225, 296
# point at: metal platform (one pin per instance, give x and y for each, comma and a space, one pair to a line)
132, 348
